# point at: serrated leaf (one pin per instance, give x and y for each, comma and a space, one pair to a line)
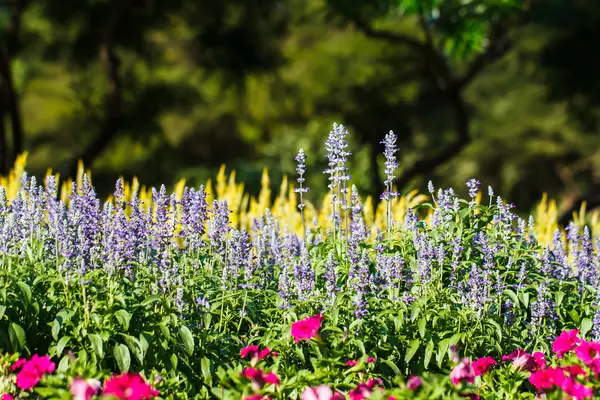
122, 356
187, 339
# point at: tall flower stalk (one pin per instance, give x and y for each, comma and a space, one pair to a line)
301, 189
337, 155
390, 169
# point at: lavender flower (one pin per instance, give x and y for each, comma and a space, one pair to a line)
473, 185
337, 155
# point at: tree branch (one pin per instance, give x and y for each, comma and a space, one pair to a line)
497, 47
428, 164
393, 37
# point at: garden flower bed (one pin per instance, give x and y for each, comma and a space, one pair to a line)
167, 297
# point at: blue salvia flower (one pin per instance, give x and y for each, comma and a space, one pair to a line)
194, 216
301, 189
336, 146
585, 266
358, 229
360, 284
522, 278
425, 256
139, 228
476, 292
239, 249
456, 253
218, 228
84, 214
390, 169
473, 185
595, 333
304, 276
542, 309
561, 267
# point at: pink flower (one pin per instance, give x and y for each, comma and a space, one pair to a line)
84, 389
547, 378
306, 328
576, 389
6, 396
351, 363
522, 360
322, 392
255, 353
371, 360
574, 370
364, 390
33, 370
413, 383
588, 351
482, 365
129, 386
256, 397
463, 372
566, 342
259, 378
539, 359
18, 364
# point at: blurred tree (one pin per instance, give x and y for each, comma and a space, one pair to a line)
452, 42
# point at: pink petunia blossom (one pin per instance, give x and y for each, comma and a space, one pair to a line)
84, 389
588, 351
258, 378
371, 360
322, 392
364, 389
33, 370
565, 342
547, 378
6, 396
255, 353
540, 359
576, 390
256, 397
522, 360
413, 383
351, 363
129, 386
18, 364
482, 365
463, 372
307, 328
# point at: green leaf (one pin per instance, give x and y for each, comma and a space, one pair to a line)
60, 346
205, 367
124, 318
187, 339
121, 353
17, 336
2, 311
428, 353
413, 346
55, 328
26, 290
151, 300
442, 350
586, 325
393, 366
422, 325
97, 344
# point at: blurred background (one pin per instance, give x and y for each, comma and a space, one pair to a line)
507, 91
